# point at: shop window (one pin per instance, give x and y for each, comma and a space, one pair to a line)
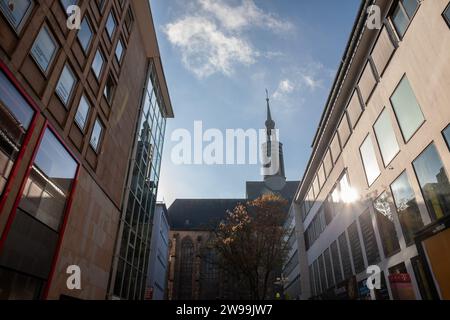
386, 225
15, 119
401, 284
407, 109
44, 49
407, 208
345, 256
355, 246
386, 138
16, 12
433, 180
370, 241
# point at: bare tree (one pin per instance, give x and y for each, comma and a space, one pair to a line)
252, 244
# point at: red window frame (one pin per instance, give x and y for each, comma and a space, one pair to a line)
26, 140
13, 174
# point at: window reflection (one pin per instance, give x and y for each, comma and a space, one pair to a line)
369, 160
434, 182
386, 227
15, 118
386, 137
407, 209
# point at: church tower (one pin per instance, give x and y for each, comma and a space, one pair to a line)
273, 180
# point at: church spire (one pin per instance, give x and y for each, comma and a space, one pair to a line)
270, 124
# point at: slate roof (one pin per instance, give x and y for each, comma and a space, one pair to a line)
256, 188
199, 214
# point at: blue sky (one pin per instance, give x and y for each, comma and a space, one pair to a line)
220, 55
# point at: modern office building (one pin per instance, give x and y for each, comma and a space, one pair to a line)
158, 267
376, 188
71, 103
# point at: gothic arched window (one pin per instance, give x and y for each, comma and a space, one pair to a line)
186, 268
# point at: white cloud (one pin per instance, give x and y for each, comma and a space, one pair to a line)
210, 36
284, 88
205, 49
243, 16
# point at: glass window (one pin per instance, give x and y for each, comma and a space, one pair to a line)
328, 268
44, 49
111, 25
186, 268
407, 208
65, 85
369, 160
317, 277
385, 135
85, 34
20, 287
311, 280
97, 64
354, 109
382, 51
68, 3
335, 148
345, 256
109, 89
82, 113
386, 226
16, 12
367, 82
446, 134
96, 135
368, 234
336, 262
15, 118
119, 51
410, 7
50, 182
344, 130
316, 187
446, 15
400, 21
407, 109
433, 181
322, 273
422, 279
355, 245
321, 175
328, 163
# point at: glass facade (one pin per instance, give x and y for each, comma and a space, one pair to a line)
131, 276
15, 119
27, 255
386, 226
433, 180
407, 208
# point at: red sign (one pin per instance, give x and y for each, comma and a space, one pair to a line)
399, 277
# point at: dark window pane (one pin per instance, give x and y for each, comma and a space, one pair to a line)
317, 277
355, 245
345, 256
29, 247
447, 15
433, 181
400, 21
446, 134
322, 273
336, 262
111, 25
410, 7
370, 242
16, 286
186, 269
48, 186
422, 280
407, 209
386, 227
311, 280
330, 278
85, 34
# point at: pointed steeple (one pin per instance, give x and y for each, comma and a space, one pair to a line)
270, 124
